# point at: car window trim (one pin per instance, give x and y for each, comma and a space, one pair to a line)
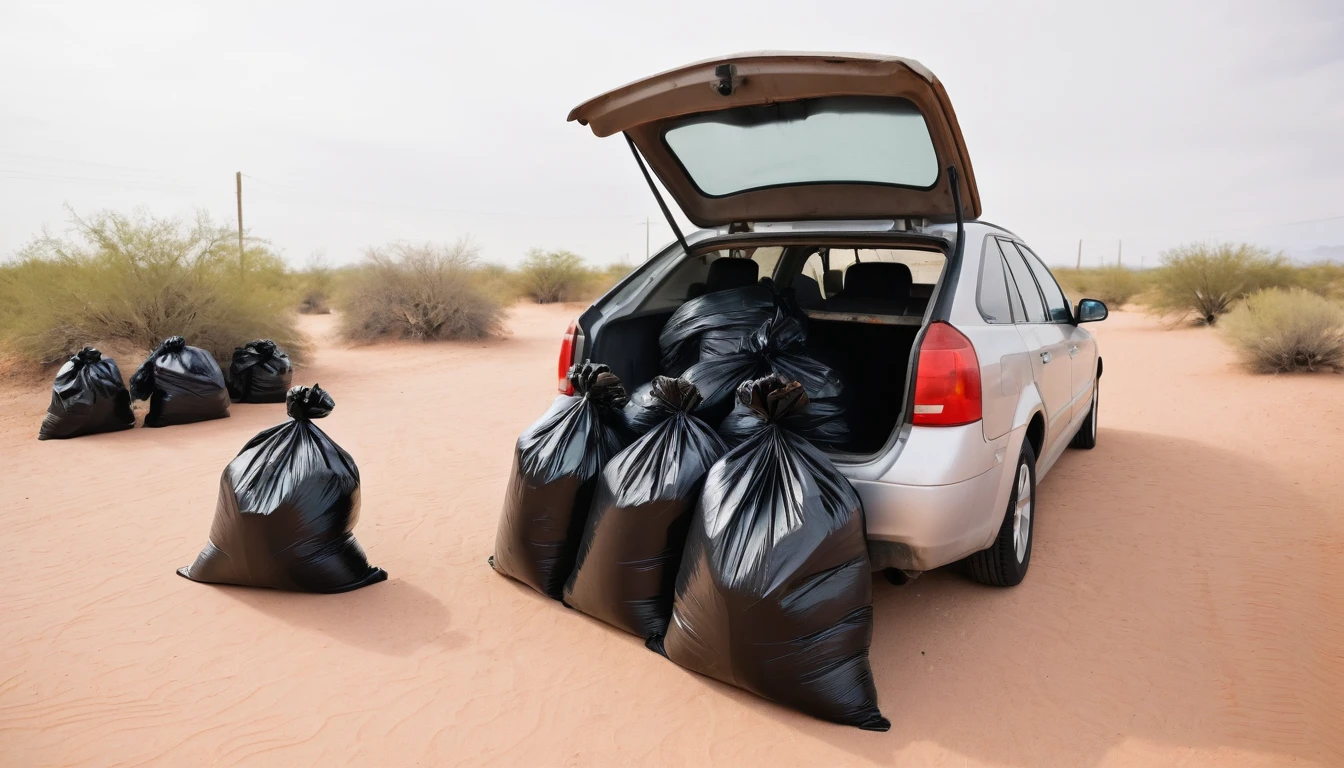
1027, 253
1013, 276
980, 282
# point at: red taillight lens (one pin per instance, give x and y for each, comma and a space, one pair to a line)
947, 379
567, 358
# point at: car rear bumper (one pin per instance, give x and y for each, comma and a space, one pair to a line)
919, 518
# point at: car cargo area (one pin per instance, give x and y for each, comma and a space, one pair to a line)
862, 310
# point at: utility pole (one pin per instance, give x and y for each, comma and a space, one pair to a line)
238, 177
1079, 265
1120, 254
646, 239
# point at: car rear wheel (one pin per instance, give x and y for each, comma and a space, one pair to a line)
1005, 563
1087, 433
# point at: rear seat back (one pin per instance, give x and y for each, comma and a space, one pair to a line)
726, 273
874, 287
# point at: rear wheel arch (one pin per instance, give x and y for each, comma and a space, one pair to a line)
1036, 432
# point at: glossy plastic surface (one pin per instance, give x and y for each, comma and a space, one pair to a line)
87, 397
555, 467
259, 373
288, 504
636, 529
182, 384
774, 593
715, 323
777, 346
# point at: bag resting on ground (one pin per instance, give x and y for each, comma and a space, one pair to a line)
182, 384
288, 504
555, 467
774, 593
259, 373
87, 397
632, 541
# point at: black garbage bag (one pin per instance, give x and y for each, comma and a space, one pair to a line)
774, 593
182, 384
715, 323
87, 397
776, 346
632, 543
259, 373
555, 467
287, 505
823, 423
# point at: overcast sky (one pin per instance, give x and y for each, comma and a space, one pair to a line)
356, 123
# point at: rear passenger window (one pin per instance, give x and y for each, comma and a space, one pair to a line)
1026, 284
1054, 297
993, 294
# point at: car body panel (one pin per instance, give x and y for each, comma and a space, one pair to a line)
646, 109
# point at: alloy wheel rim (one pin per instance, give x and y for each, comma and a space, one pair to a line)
1022, 512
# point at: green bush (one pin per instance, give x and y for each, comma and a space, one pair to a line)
1114, 285
316, 286
1204, 280
1287, 330
138, 279
1323, 279
547, 277
426, 292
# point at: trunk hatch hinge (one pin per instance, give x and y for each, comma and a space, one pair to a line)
667, 214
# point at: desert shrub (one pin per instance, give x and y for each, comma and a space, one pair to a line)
315, 285
1204, 280
418, 291
1115, 285
547, 277
138, 279
499, 282
1323, 279
1287, 330
606, 278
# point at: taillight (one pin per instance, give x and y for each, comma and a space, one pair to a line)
567, 357
947, 379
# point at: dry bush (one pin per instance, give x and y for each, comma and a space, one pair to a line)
1205, 280
426, 292
315, 285
1323, 278
499, 282
1287, 330
138, 279
1115, 285
547, 277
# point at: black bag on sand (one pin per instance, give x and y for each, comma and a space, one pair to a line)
259, 373
555, 467
774, 593
287, 506
775, 347
715, 323
182, 384
632, 543
87, 397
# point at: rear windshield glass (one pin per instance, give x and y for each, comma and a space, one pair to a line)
858, 139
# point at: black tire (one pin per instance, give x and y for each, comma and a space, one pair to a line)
1000, 565
1087, 433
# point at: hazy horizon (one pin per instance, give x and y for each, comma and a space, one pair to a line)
1153, 123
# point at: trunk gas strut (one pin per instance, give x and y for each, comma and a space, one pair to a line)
653, 188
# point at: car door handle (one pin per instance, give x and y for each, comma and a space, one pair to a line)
1073, 351
1045, 357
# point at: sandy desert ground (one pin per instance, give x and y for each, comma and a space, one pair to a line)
1185, 604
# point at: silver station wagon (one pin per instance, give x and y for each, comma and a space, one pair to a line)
846, 178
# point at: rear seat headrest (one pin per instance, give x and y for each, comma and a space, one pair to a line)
725, 273
878, 280
833, 280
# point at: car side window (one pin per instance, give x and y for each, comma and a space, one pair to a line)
993, 295
1055, 302
1026, 284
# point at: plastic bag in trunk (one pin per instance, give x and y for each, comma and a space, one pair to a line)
714, 324
774, 593
632, 543
259, 373
182, 384
87, 397
822, 423
555, 467
776, 346
287, 505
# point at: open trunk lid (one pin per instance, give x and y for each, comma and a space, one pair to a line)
795, 136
